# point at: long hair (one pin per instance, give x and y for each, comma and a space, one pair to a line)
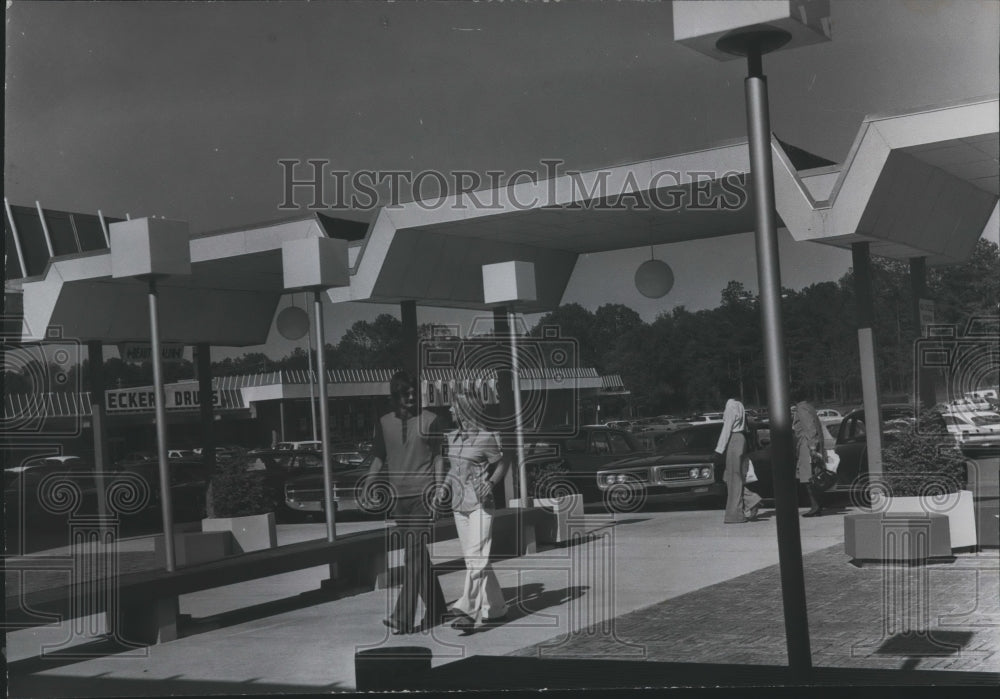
468, 407
400, 382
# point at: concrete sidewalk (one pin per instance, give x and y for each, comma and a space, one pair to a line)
653, 585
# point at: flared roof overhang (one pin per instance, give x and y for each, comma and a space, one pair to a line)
229, 299
920, 184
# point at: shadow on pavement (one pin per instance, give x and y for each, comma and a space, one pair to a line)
506, 673
102, 686
533, 598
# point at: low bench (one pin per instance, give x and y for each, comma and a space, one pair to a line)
142, 608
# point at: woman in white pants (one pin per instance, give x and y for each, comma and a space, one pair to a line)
476, 467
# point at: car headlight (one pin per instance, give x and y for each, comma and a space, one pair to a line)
609, 479
706, 472
621, 478
693, 472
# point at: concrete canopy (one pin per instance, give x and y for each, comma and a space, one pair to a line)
229, 298
920, 184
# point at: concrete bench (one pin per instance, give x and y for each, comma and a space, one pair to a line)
143, 607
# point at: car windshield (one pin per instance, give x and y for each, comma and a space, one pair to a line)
693, 439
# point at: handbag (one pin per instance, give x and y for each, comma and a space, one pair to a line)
832, 461
821, 478
751, 476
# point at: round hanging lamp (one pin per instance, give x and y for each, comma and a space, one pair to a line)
654, 279
293, 322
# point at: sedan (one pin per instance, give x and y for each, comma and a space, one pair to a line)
303, 491
557, 466
684, 468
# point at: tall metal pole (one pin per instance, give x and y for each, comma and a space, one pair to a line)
775, 362
864, 297
102, 460
161, 428
312, 385
324, 419
515, 380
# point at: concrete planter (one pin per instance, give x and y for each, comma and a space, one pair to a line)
559, 511
957, 507
913, 537
191, 548
252, 533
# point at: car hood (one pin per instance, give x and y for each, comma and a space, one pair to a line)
314, 478
647, 460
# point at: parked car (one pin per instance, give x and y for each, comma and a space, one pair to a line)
293, 446
553, 464
829, 417
48, 495
684, 467
977, 433
851, 447
188, 484
303, 491
349, 457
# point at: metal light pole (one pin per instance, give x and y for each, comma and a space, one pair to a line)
317, 264
750, 28
506, 284
152, 249
166, 497
515, 380
324, 419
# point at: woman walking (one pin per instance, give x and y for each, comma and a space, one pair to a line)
476, 468
741, 503
810, 446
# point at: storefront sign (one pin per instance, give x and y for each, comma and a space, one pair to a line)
144, 399
138, 352
438, 393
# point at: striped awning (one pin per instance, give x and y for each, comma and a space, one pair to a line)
342, 376
17, 406
612, 384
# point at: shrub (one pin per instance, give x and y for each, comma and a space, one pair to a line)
922, 461
236, 492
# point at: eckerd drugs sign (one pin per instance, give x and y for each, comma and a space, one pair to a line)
141, 399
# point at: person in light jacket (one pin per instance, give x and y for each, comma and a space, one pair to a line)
741, 503
476, 467
811, 441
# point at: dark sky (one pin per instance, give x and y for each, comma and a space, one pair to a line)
183, 109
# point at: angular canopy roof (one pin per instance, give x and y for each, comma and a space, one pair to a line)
921, 184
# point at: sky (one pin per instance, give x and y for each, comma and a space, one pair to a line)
183, 109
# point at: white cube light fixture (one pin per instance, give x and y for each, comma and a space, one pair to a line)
315, 263
699, 24
150, 247
509, 282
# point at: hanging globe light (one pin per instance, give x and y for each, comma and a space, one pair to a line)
293, 322
654, 278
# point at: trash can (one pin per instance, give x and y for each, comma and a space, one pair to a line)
390, 667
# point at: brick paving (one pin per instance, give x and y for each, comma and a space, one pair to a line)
938, 617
